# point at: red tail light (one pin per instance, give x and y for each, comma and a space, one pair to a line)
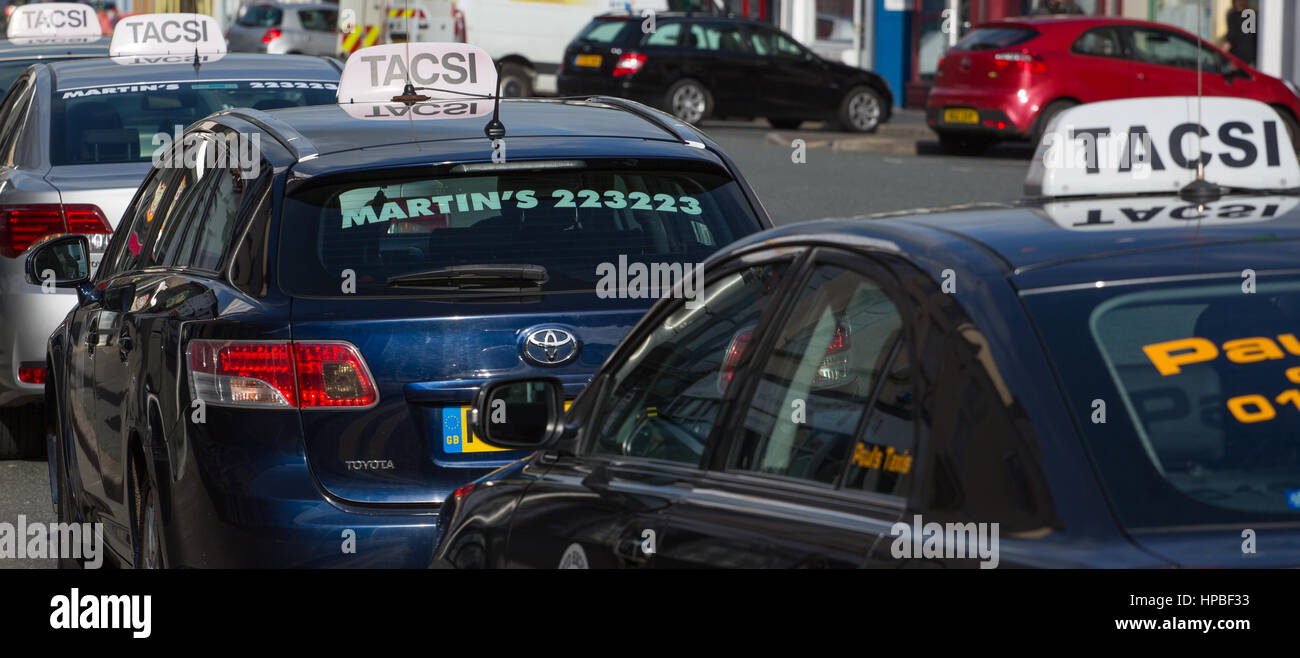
463, 491
1021, 61
23, 225
280, 374
271, 35
332, 375
31, 375
731, 360
628, 64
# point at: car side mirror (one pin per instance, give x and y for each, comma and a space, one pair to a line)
63, 262
519, 413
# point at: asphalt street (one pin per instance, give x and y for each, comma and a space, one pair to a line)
842, 175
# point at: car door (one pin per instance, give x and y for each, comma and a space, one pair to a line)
819, 451
724, 62
118, 343
1164, 64
645, 437
1100, 66
794, 82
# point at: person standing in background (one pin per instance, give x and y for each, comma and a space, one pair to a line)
1239, 42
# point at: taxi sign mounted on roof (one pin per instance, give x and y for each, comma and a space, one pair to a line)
53, 19
441, 71
1141, 145
151, 38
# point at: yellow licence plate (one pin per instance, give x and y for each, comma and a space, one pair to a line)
457, 437
590, 61
960, 115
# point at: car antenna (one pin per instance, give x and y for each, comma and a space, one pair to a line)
196, 59
494, 128
1199, 191
409, 96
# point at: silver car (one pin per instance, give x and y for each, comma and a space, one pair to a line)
280, 28
76, 139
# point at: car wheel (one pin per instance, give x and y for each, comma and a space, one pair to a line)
516, 82
861, 110
1045, 118
146, 538
785, 124
689, 101
964, 144
22, 432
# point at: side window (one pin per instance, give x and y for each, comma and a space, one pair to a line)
179, 223
220, 216
761, 41
15, 115
320, 20
666, 34
143, 220
1101, 42
826, 367
664, 401
1170, 49
786, 47
715, 36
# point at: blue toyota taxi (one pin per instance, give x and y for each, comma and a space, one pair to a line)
1106, 374
273, 364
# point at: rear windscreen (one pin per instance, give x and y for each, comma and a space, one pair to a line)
575, 224
603, 31
1188, 394
260, 16
995, 38
122, 123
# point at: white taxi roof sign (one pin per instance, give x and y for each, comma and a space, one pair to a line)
441, 71
53, 19
167, 34
1141, 145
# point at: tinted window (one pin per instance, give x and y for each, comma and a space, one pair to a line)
715, 36
177, 222
322, 20
1201, 391
1102, 42
574, 223
814, 386
995, 38
13, 118
665, 398
100, 125
220, 214
142, 221
260, 16
604, 31
665, 34
1170, 49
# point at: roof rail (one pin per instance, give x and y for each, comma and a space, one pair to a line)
291, 139
688, 137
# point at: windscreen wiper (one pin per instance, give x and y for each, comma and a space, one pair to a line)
487, 277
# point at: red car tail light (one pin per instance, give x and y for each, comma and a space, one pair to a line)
31, 375
280, 374
271, 35
628, 64
332, 375
1020, 61
23, 225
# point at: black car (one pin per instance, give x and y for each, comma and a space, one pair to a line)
700, 66
1072, 380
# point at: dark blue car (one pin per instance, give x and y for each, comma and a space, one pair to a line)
272, 366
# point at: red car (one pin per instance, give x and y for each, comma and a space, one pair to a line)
1006, 80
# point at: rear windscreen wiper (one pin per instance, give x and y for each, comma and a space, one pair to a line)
488, 277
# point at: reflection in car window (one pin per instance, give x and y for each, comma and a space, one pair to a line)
666, 396
818, 378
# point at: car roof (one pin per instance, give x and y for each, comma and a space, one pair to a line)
10, 50
1026, 243
103, 71
1073, 20
695, 15
332, 130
